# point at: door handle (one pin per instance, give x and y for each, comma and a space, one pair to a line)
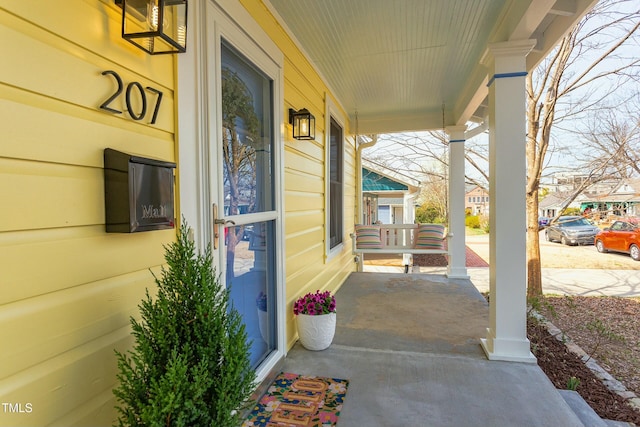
221, 221
216, 223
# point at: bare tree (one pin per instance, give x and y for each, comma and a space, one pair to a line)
434, 197
239, 130
568, 85
593, 172
614, 134
426, 155
612, 149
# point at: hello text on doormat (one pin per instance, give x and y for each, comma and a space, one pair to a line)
296, 400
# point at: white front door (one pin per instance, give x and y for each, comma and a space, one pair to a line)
244, 180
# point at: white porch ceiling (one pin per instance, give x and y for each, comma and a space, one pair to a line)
397, 62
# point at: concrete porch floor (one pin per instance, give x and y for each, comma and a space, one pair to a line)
409, 344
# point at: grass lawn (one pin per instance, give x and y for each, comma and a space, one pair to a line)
474, 231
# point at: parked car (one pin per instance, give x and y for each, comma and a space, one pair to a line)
543, 221
622, 236
571, 230
246, 233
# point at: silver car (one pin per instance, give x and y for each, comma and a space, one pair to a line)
571, 230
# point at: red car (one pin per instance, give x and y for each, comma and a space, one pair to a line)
620, 237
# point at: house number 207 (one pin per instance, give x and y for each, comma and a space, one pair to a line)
132, 87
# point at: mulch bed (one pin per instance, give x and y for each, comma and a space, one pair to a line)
439, 260
606, 328
431, 260
559, 364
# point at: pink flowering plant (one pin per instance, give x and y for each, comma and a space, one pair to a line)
315, 304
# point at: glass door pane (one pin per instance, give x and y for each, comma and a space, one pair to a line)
248, 198
251, 278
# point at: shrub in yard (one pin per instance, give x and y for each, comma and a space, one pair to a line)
484, 223
427, 214
472, 221
190, 362
571, 211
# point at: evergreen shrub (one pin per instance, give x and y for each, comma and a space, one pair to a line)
190, 362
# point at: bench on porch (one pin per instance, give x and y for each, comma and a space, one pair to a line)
405, 239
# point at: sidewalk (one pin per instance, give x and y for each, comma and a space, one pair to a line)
568, 281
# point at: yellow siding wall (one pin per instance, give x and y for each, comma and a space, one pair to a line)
67, 288
304, 163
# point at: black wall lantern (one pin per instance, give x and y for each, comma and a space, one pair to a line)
304, 124
155, 26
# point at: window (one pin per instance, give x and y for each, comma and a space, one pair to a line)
335, 187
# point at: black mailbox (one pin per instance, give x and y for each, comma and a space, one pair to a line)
138, 193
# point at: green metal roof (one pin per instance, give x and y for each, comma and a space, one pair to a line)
372, 181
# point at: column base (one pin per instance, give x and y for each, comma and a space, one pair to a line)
507, 350
457, 273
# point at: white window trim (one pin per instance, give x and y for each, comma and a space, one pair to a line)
332, 111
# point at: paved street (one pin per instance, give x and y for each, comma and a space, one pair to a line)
565, 269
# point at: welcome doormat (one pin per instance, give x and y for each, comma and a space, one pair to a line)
296, 400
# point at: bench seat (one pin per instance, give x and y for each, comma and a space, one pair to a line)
404, 239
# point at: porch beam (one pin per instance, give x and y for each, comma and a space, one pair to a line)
390, 123
535, 13
507, 333
558, 28
457, 268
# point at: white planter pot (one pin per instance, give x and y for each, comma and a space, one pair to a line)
316, 332
263, 323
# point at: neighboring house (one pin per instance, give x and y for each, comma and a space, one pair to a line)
554, 203
395, 196
622, 200
565, 182
599, 201
476, 201
369, 208
71, 87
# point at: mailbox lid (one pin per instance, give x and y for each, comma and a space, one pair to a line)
114, 159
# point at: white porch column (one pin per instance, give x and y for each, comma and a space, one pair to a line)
507, 333
457, 268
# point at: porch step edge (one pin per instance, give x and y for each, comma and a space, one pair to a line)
585, 413
614, 423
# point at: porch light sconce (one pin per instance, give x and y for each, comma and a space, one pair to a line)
155, 26
303, 122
